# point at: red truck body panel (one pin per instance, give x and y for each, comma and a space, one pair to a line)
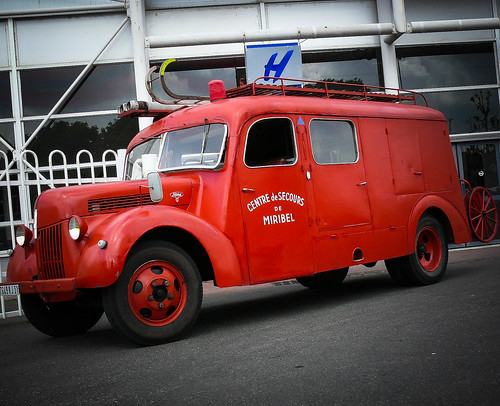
259, 223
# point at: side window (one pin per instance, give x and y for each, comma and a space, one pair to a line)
333, 141
270, 142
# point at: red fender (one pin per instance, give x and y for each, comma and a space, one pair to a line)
101, 267
456, 216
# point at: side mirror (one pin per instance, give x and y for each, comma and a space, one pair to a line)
154, 186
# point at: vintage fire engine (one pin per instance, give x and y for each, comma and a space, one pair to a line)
260, 183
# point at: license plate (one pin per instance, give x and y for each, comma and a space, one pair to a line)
9, 290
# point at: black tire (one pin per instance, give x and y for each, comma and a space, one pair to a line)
427, 265
158, 296
394, 268
59, 319
324, 280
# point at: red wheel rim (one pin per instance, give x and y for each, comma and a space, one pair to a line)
157, 293
482, 214
429, 250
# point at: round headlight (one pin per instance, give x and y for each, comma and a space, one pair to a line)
23, 235
77, 228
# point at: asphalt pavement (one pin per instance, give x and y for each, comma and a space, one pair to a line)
372, 343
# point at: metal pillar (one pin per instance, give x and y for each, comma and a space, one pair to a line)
137, 14
388, 50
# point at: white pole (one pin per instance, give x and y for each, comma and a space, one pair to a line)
388, 50
141, 55
269, 35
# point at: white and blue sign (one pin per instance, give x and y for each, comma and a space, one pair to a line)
276, 60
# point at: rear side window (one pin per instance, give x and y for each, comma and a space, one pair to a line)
270, 142
333, 141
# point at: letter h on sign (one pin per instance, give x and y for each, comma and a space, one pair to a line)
278, 68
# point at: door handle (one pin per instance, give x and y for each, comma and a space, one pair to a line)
362, 184
247, 190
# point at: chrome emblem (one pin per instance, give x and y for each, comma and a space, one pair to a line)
176, 196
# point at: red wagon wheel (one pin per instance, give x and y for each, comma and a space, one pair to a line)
482, 214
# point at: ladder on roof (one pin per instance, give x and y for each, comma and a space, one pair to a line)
326, 90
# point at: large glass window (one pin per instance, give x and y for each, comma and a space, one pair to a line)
480, 165
195, 82
459, 80
105, 87
468, 111
95, 134
447, 66
333, 141
270, 142
358, 66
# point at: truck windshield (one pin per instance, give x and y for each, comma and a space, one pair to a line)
199, 147
142, 159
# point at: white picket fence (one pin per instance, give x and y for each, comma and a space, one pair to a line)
28, 179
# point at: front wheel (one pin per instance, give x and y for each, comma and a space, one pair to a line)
428, 263
158, 295
59, 319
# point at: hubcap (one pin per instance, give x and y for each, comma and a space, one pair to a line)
157, 293
429, 250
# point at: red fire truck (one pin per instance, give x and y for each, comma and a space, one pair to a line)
260, 183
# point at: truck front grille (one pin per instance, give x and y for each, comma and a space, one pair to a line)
50, 253
118, 202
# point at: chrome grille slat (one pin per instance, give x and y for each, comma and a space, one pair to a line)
49, 253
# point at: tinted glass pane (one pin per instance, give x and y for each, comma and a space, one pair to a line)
195, 82
96, 134
135, 167
195, 147
5, 102
360, 71
105, 88
42, 88
480, 165
7, 134
333, 142
447, 66
468, 111
270, 142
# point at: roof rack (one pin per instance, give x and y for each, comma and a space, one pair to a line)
325, 90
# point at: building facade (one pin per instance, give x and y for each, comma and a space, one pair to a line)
66, 65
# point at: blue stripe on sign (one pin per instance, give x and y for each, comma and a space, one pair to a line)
273, 45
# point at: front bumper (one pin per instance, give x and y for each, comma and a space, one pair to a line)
47, 286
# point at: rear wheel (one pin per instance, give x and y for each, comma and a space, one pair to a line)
59, 319
395, 270
158, 295
324, 280
428, 263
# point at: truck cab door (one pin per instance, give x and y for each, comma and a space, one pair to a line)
272, 193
